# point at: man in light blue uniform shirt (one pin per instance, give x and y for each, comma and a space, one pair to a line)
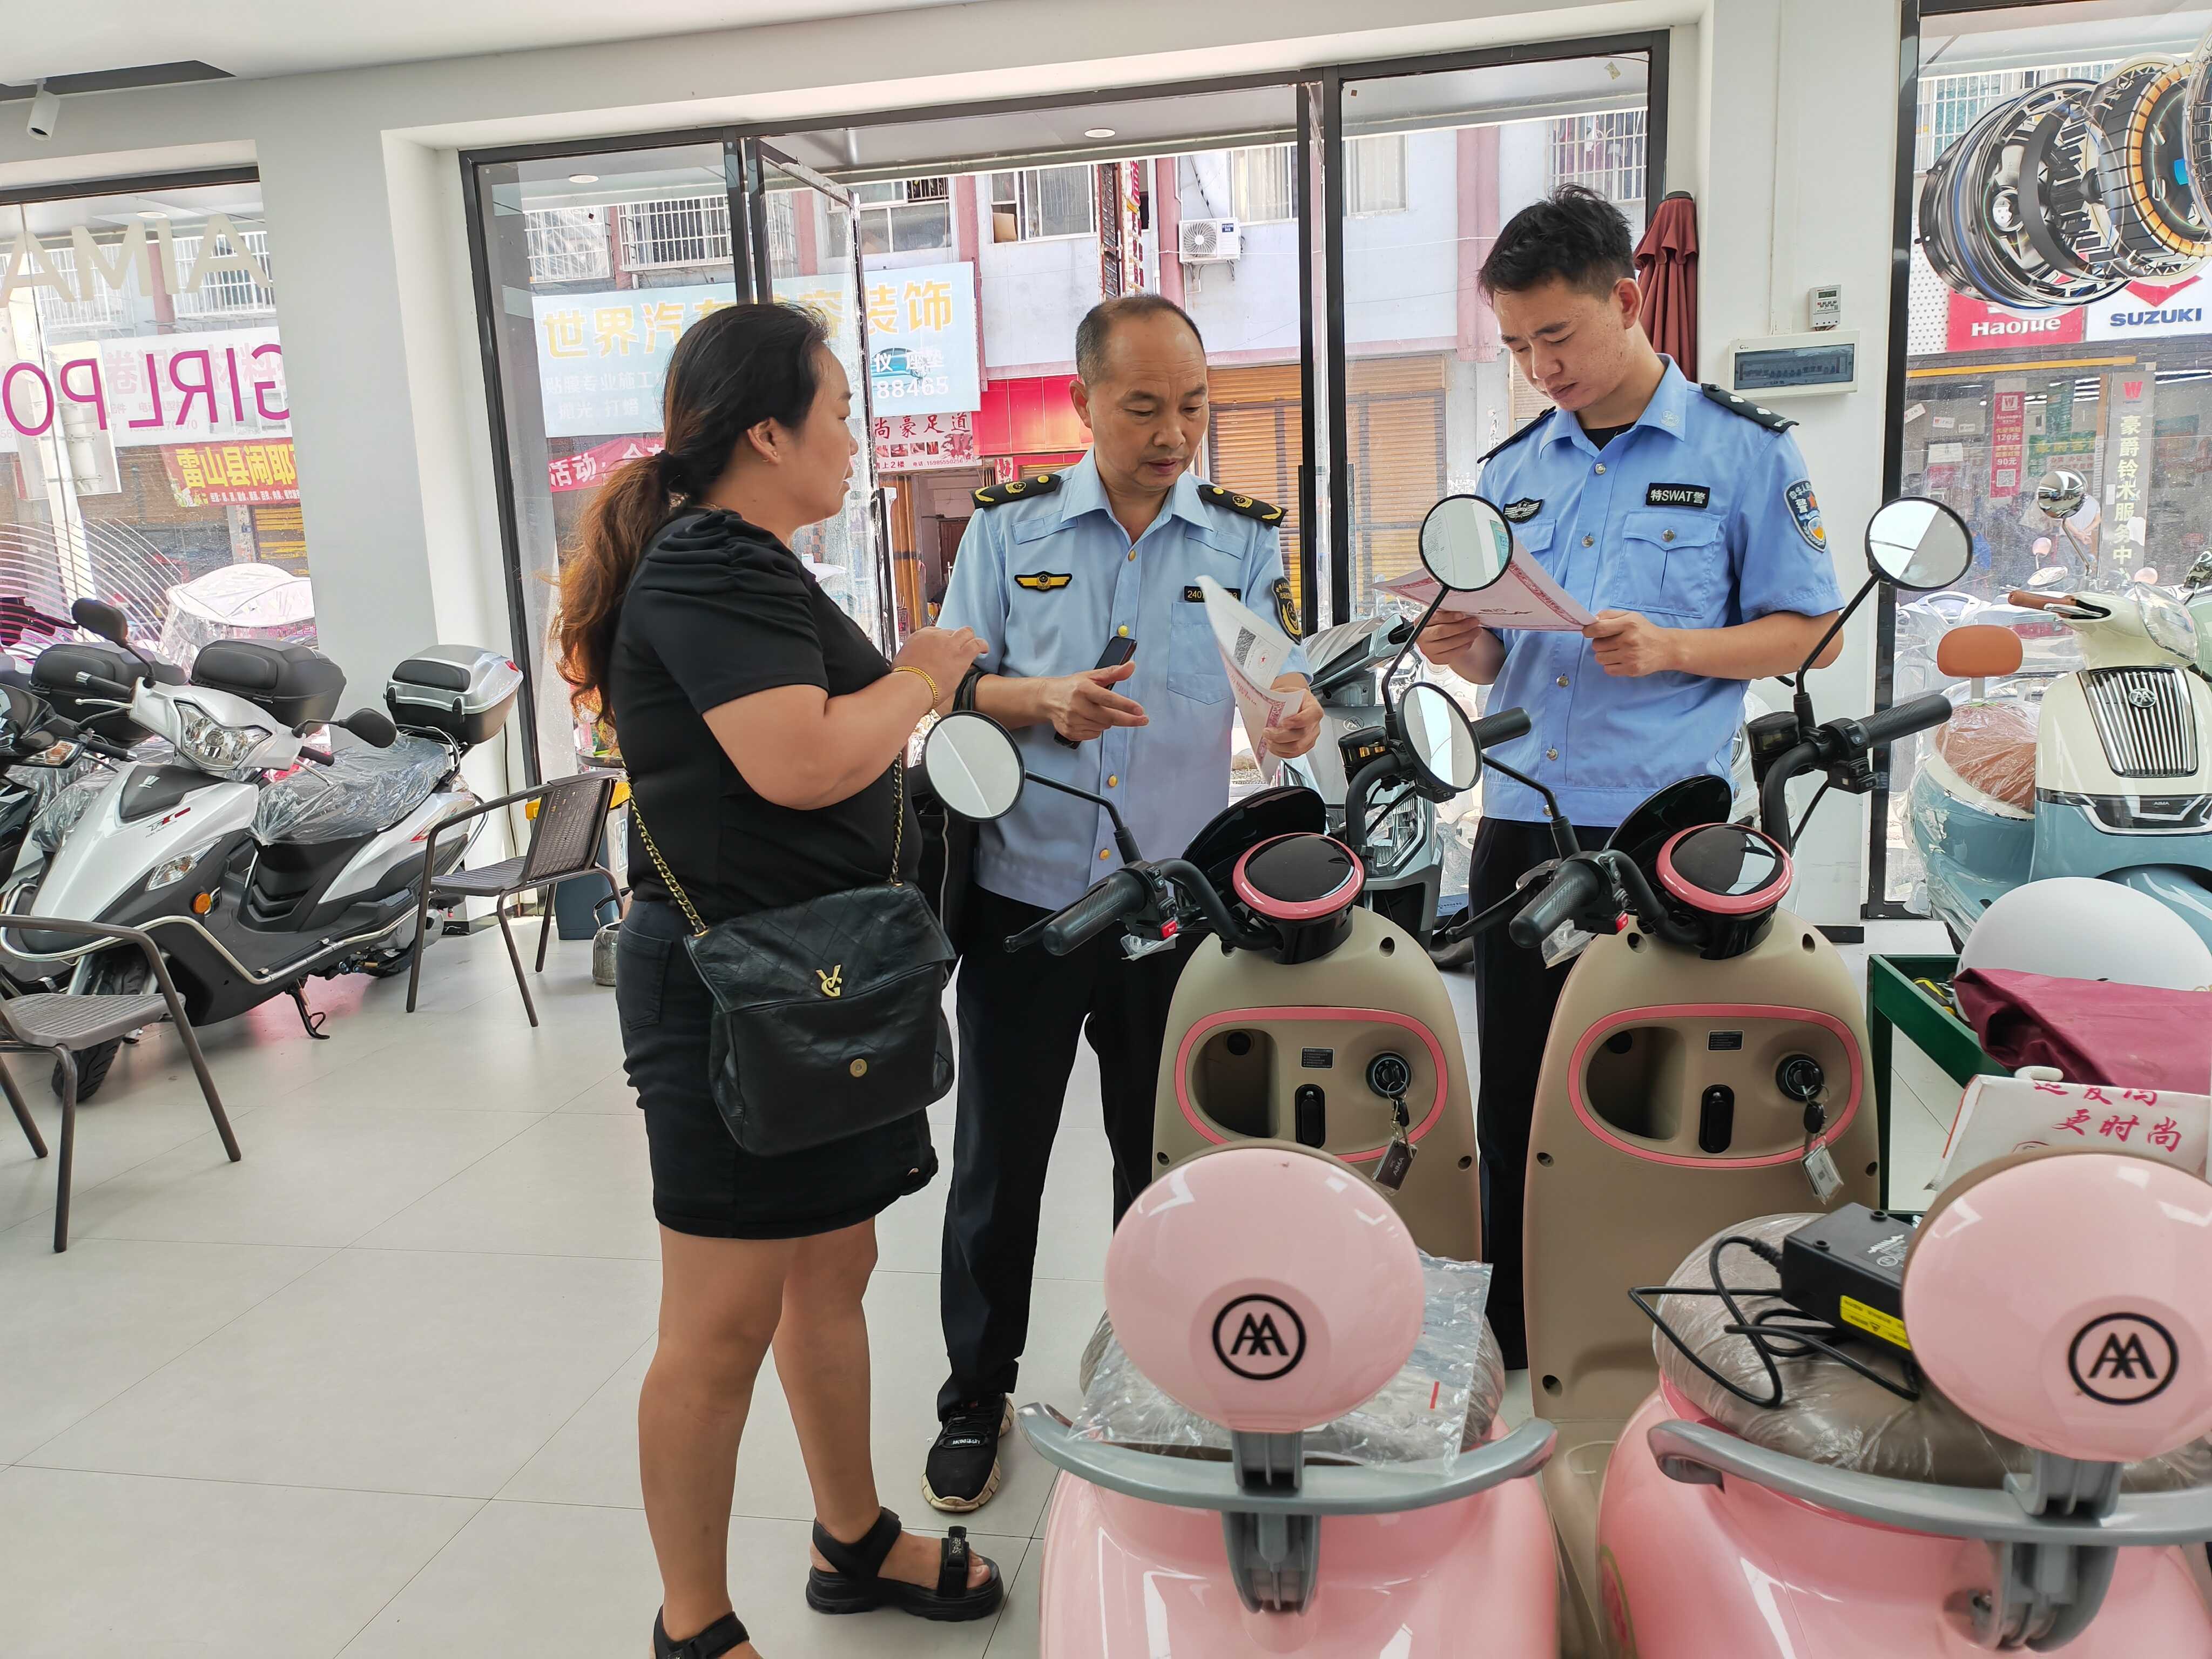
1053, 574
1683, 518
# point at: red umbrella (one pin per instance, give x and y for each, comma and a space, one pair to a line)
1667, 266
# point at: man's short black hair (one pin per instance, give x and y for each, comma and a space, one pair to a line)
1574, 233
1097, 325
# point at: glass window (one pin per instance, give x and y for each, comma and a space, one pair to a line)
1262, 185
1040, 202
2118, 390
147, 455
1603, 153
899, 215
1375, 175
603, 262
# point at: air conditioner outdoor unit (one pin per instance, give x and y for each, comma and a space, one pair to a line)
1209, 241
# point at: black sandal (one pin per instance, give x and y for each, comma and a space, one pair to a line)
857, 1584
711, 1643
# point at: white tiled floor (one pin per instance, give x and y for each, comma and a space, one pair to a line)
371, 1391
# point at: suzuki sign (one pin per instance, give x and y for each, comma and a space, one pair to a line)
1975, 327
2148, 310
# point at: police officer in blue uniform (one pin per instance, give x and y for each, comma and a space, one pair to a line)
1055, 575
1683, 518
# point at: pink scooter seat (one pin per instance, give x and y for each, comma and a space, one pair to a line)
1833, 1416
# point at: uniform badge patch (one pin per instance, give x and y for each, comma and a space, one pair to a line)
1286, 608
1521, 511
1806, 511
1677, 495
1195, 595
1044, 581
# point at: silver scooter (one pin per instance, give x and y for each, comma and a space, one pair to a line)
254, 859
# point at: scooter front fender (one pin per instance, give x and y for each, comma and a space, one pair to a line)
2183, 892
1474, 1579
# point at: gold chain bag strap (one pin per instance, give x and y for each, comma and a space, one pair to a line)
829, 1014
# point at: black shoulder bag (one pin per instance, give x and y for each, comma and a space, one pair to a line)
828, 1015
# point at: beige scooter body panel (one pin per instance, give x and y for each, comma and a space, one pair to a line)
1318, 1024
1619, 1190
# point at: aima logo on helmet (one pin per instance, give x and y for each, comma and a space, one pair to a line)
1259, 1337
2121, 1359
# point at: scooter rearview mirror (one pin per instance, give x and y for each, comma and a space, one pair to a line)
1466, 544
2059, 493
1918, 545
1440, 739
973, 764
97, 616
373, 727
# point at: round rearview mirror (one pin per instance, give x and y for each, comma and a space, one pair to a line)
1441, 742
1465, 542
1919, 544
2059, 493
972, 764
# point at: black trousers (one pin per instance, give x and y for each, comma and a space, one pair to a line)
1020, 1016
1514, 996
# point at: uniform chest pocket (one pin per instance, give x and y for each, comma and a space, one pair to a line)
1669, 564
1194, 669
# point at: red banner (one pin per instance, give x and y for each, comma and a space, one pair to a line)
1974, 326
255, 473
2007, 442
587, 469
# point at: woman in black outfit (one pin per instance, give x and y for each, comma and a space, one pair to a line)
761, 728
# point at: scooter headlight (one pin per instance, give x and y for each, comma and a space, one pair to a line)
209, 744
2168, 623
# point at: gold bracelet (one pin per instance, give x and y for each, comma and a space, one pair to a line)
923, 675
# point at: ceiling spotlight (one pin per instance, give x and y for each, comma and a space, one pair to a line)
583, 177
46, 112
153, 213
1098, 132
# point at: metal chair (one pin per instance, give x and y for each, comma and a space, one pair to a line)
62, 1025
564, 840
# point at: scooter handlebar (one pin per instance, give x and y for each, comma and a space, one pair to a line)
1574, 884
1888, 725
1100, 908
105, 687
1504, 727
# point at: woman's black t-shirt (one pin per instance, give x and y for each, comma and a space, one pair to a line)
718, 610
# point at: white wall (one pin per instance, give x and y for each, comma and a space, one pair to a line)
1401, 270
380, 337
1033, 296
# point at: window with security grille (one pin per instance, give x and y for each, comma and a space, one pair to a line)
686, 230
225, 293
100, 307
897, 215
1036, 203
566, 244
1605, 152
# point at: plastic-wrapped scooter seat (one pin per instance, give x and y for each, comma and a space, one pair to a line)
1444, 1399
1991, 746
362, 791
1832, 1415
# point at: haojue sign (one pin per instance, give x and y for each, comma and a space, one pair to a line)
162, 389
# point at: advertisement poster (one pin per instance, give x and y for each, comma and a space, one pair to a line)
915, 443
2128, 395
256, 473
2150, 311
602, 357
2007, 438
1972, 325
921, 334
219, 383
587, 469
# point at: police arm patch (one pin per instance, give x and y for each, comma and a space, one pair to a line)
1806, 511
1286, 608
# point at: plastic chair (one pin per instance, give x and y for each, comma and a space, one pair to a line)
64, 1024
564, 840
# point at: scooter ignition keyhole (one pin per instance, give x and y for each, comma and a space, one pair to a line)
1389, 1075
1801, 1078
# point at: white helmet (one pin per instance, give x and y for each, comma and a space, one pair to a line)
2074, 927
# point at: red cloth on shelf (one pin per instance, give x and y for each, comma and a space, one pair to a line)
2134, 1036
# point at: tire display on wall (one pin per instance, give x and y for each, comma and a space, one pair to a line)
2062, 194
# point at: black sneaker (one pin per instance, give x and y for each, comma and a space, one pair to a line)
962, 1471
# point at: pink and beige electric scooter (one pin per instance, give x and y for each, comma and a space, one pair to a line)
1707, 1065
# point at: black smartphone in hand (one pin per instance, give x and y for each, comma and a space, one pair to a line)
1118, 650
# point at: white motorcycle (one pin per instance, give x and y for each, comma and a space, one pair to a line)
254, 859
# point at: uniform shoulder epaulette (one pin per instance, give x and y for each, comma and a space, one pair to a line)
1516, 438
1250, 506
1020, 490
1750, 411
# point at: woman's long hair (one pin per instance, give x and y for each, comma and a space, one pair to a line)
730, 371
